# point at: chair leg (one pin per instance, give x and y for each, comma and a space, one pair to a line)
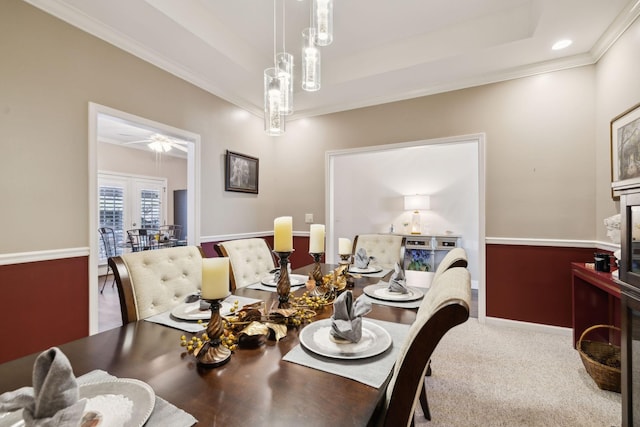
424, 403
105, 279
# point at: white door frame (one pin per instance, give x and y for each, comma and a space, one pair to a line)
193, 193
330, 203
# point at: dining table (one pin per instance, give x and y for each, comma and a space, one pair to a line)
256, 387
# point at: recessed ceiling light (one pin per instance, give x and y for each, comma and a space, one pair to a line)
561, 44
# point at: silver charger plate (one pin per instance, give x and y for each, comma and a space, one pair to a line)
191, 311
316, 338
139, 393
381, 291
369, 270
294, 279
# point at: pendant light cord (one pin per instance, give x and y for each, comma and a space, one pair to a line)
274, 34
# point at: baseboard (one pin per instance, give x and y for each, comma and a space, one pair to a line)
534, 327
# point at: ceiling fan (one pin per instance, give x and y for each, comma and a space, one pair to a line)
161, 143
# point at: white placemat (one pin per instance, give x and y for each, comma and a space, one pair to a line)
372, 371
164, 413
167, 319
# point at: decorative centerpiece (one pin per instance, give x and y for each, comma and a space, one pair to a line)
316, 250
215, 288
283, 247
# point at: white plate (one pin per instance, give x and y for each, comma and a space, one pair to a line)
381, 291
369, 270
139, 393
316, 338
191, 311
294, 279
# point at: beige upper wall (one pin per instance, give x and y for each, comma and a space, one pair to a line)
539, 143
617, 89
545, 151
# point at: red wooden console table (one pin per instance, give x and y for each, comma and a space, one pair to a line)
596, 300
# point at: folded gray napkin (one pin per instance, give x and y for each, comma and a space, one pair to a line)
346, 320
53, 399
398, 283
361, 259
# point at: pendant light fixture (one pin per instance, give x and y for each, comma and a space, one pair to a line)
323, 21
310, 61
284, 64
274, 123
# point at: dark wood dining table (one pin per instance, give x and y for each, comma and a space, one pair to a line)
255, 388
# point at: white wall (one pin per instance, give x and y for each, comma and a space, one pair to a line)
368, 189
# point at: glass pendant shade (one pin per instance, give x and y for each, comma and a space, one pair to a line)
273, 117
284, 63
310, 61
323, 21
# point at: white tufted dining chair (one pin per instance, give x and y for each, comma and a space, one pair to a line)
386, 248
443, 308
152, 282
249, 260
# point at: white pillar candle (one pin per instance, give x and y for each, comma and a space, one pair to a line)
344, 246
283, 234
215, 278
316, 238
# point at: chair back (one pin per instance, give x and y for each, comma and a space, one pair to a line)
108, 238
152, 282
386, 248
249, 260
444, 307
142, 239
456, 257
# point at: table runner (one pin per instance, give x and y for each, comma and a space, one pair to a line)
164, 413
372, 371
167, 319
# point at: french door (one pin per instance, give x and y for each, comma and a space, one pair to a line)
126, 202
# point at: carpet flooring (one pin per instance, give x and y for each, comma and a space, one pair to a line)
494, 375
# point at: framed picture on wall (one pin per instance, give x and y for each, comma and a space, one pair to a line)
241, 173
625, 150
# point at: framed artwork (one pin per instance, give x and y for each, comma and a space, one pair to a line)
241, 173
625, 150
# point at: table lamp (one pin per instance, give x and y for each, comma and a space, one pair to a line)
416, 203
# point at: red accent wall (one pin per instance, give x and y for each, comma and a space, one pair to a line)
532, 283
43, 304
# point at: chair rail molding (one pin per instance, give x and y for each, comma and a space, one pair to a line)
44, 255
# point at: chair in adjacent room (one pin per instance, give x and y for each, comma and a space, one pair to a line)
142, 239
170, 234
152, 282
388, 249
249, 260
443, 308
108, 237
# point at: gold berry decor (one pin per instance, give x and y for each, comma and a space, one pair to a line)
251, 325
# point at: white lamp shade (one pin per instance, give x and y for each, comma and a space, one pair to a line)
418, 202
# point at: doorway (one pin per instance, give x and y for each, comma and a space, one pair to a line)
366, 187
189, 146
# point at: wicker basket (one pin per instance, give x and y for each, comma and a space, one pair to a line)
601, 360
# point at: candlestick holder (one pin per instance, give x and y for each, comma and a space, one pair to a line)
345, 261
213, 353
316, 274
284, 283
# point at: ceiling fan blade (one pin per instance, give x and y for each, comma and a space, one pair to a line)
180, 147
136, 142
